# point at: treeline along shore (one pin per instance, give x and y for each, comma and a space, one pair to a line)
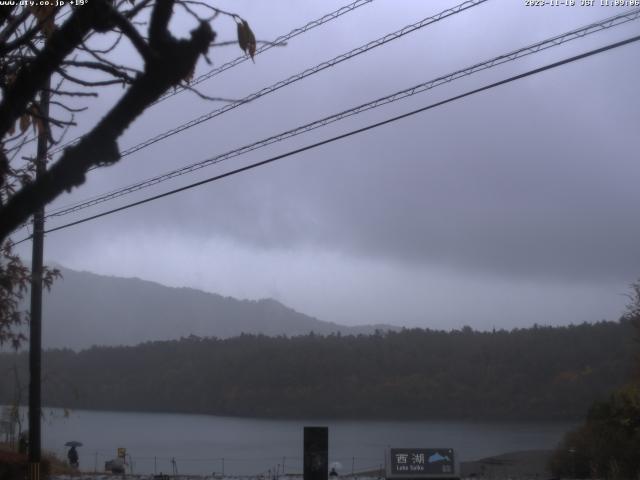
538, 373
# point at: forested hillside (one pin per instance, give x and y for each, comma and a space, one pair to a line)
538, 373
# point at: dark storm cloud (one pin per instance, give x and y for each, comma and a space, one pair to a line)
532, 181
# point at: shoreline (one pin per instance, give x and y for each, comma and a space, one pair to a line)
516, 464
521, 465
497, 420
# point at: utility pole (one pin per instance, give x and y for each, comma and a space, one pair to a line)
35, 331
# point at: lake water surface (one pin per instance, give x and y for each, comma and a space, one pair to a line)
202, 444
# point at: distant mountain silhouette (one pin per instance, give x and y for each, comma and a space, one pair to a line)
85, 309
436, 457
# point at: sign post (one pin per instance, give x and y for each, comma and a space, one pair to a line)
421, 463
316, 453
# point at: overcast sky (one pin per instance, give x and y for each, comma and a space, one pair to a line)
511, 207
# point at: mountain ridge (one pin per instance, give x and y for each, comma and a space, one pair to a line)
85, 309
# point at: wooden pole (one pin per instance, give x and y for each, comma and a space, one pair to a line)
35, 331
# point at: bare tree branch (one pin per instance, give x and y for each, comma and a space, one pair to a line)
207, 97
11, 28
172, 61
115, 71
72, 93
133, 35
68, 108
137, 9
235, 42
109, 49
94, 83
33, 76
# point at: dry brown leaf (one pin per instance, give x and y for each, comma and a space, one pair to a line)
24, 122
38, 125
36, 120
246, 38
189, 76
10, 79
242, 36
45, 14
251, 40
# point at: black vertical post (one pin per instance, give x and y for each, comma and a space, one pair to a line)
316, 453
35, 330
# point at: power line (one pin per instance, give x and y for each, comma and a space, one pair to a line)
350, 133
306, 73
511, 56
280, 40
243, 58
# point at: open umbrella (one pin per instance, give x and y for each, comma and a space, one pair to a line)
73, 443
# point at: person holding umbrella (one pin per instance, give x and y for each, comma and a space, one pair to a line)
72, 455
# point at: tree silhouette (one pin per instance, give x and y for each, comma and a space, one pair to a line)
46, 52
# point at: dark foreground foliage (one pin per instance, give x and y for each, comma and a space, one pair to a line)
607, 445
537, 373
14, 466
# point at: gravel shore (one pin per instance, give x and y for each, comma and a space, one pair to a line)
529, 464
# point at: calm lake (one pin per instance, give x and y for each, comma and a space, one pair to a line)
202, 444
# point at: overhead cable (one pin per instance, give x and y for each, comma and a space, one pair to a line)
264, 47
306, 73
243, 58
422, 87
351, 133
